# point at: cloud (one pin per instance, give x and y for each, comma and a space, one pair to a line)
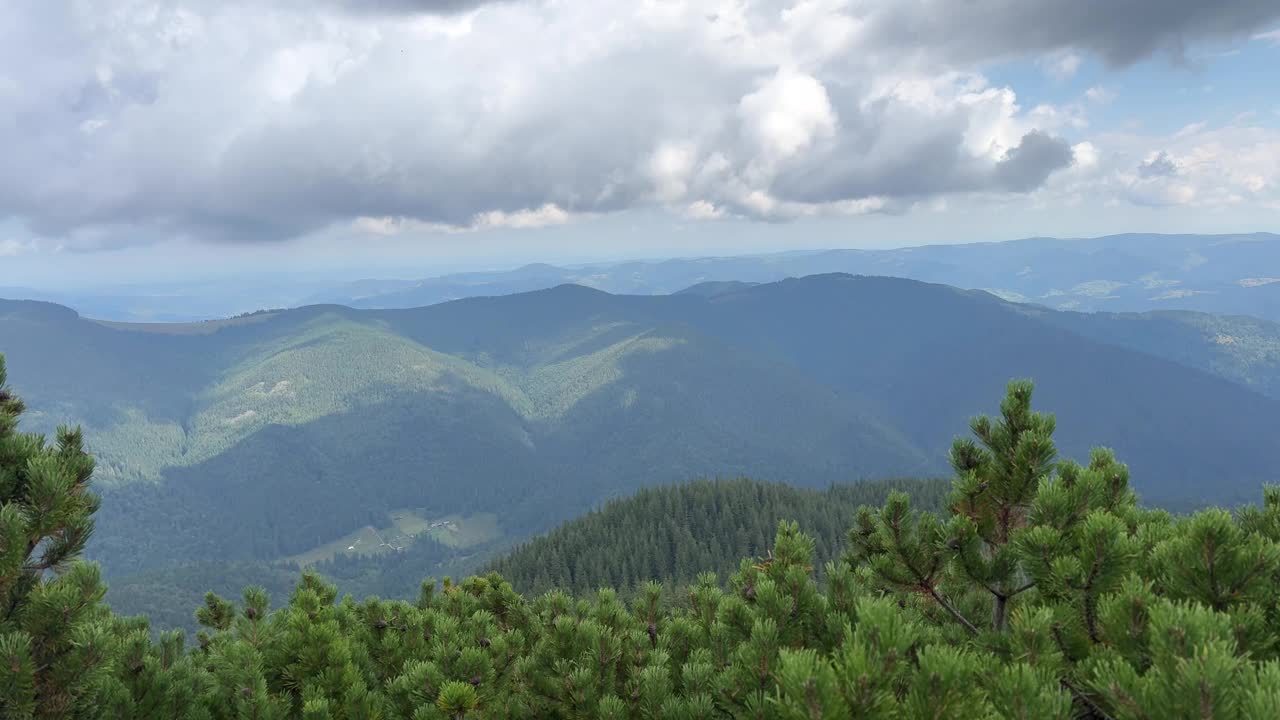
703, 210
1159, 165
544, 216
1063, 66
246, 122
407, 7
1027, 166
1099, 94
1272, 37
12, 247
1119, 33
1211, 168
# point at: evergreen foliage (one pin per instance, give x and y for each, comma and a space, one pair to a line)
1042, 591
675, 533
50, 604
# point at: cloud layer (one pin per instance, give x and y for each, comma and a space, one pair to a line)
241, 121
1120, 31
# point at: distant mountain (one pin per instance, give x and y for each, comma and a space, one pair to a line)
181, 302
1232, 274
712, 288
433, 435
1242, 349
1238, 274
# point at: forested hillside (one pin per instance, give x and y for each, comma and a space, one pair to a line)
1242, 349
675, 533
422, 440
1042, 590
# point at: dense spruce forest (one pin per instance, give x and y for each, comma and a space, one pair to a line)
673, 534
1041, 588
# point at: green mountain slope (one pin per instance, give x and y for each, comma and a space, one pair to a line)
283, 435
674, 533
1242, 349
326, 420
921, 354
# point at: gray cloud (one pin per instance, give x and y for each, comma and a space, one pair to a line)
886, 154
1159, 166
933, 163
1027, 166
1120, 31
257, 121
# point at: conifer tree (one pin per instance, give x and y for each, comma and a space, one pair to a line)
53, 638
1058, 563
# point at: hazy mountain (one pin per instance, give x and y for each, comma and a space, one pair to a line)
1239, 348
182, 301
712, 288
1139, 272
1120, 273
327, 434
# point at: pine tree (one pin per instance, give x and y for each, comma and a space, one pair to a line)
1058, 563
53, 630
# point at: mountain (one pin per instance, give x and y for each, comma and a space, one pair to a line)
1234, 274
711, 288
270, 436
1231, 274
435, 437
674, 533
185, 301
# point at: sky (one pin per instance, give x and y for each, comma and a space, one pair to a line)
183, 140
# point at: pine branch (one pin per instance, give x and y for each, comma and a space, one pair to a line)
1088, 702
1023, 588
950, 610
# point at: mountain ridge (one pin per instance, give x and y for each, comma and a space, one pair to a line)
537, 407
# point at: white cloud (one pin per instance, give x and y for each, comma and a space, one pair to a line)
92, 125
1198, 166
544, 216
787, 114
1062, 66
1086, 155
1272, 37
12, 247
670, 168
385, 225
1099, 94
703, 210
263, 121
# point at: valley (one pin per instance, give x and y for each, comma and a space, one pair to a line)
407, 526
314, 437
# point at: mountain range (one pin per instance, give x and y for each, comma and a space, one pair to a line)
328, 434
1235, 274
1232, 274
